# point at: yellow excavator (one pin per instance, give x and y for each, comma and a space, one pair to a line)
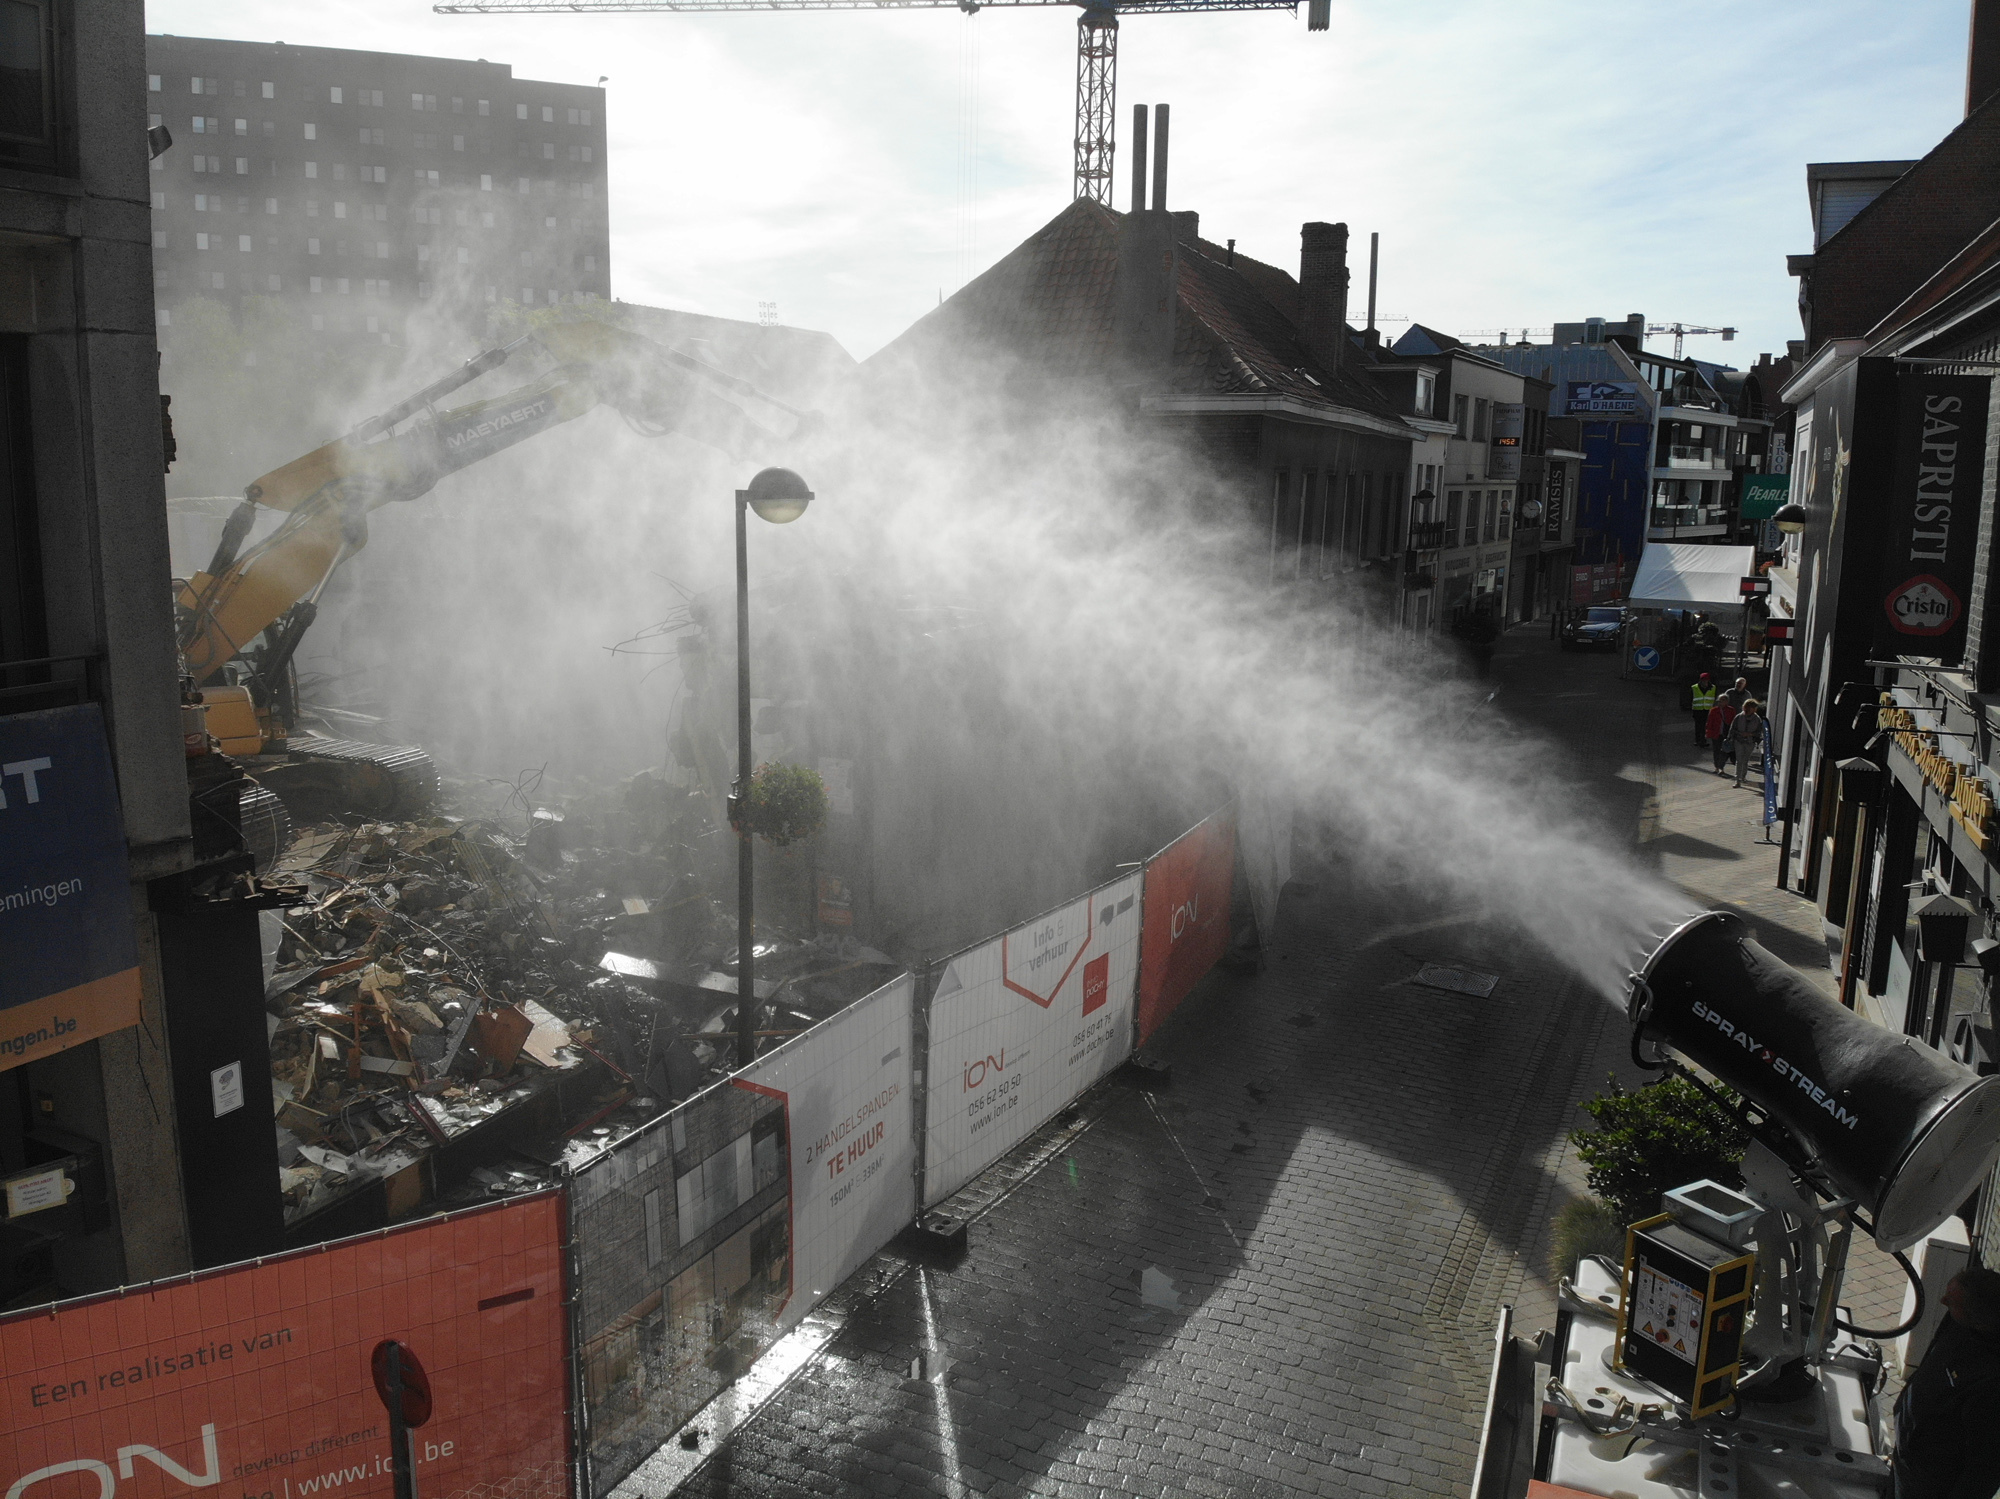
241, 619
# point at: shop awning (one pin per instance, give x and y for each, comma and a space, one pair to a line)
1689, 575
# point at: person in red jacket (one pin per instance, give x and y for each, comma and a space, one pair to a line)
1720, 717
1948, 1416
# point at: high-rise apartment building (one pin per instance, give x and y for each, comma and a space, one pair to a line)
357, 189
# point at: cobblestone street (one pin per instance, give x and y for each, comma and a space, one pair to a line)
1280, 1274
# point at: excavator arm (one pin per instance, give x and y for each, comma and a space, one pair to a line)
329, 493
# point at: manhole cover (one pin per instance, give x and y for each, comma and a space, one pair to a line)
1456, 980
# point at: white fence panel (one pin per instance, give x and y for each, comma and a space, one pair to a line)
1021, 1025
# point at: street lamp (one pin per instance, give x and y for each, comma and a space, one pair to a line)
1790, 518
777, 495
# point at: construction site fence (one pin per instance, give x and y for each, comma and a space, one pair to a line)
702, 1238
260, 1375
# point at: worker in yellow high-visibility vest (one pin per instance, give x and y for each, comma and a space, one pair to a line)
1701, 698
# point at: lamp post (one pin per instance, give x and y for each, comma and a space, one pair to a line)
779, 496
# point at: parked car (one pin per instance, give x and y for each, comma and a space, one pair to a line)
1595, 629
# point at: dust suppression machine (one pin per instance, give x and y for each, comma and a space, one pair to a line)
1717, 1360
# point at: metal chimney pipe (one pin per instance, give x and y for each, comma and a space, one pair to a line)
1374, 252
1138, 158
1160, 160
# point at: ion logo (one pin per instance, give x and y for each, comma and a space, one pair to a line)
1186, 915
975, 1072
107, 1485
1924, 605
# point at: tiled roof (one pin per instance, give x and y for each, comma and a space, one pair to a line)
1051, 303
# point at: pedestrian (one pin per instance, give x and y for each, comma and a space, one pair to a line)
1739, 694
1746, 734
1948, 1416
1719, 719
1701, 699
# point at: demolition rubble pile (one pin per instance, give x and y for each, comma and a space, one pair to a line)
446, 971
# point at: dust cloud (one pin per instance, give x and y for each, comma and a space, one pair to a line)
1045, 639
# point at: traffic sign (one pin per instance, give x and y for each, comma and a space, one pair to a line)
1646, 658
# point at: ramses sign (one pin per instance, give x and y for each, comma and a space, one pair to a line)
1933, 515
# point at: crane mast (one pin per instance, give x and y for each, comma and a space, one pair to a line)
1096, 47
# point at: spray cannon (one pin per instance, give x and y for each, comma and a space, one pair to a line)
1717, 1358
1900, 1131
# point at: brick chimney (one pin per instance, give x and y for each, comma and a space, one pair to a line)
1323, 292
1982, 54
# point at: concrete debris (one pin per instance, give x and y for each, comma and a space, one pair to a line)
441, 973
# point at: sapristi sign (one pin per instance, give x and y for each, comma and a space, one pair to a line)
255, 1381
1932, 515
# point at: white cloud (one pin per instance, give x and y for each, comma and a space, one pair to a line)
1522, 163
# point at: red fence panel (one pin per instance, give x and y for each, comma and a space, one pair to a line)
256, 1377
1186, 926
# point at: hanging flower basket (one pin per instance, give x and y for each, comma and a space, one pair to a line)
782, 804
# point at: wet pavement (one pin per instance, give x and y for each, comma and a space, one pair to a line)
1279, 1274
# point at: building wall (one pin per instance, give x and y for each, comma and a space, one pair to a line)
359, 188
89, 585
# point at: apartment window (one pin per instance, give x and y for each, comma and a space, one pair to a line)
160, 201
485, 107
458, 143
548, 115
424, 102
152, 83
573, 117
485, 183
527, 186
373, 138
201, 241
340, 210
1454, 508
312, 248
243, 166
200, 125
312, 132
333, 96
423, 253
527, 296
579, 153
1461, 407
312, 208
375, 174
1424, 385
243, 242
1492, 515
458, 106
242, 127
159, 239
424, 178
312, 169
520, 111
548, 151
1480, 407
270, 91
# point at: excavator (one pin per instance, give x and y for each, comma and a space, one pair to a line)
241, 619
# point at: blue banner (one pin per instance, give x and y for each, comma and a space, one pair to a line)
1770, 780
69, 958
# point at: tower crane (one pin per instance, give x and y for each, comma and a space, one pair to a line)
1096, 47
1688, 330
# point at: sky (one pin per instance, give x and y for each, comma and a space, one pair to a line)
1523, 160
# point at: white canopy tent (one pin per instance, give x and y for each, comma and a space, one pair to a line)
1691, 575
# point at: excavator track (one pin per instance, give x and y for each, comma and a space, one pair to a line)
329, 778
